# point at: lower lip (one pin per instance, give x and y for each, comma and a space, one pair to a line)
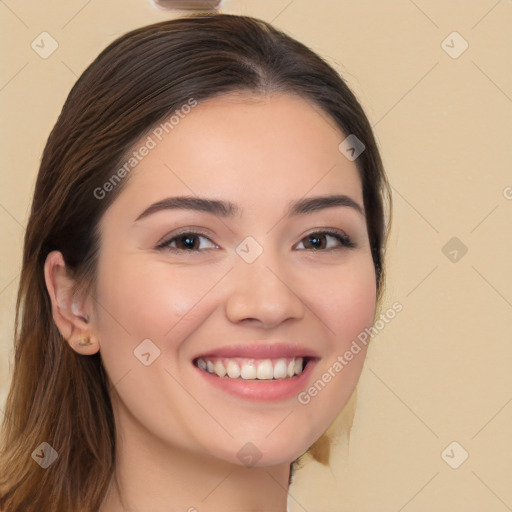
261, 390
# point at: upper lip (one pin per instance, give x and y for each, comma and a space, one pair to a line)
260, 351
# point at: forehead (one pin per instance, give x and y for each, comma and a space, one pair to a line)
245, 148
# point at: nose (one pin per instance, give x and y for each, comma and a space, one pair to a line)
262, 293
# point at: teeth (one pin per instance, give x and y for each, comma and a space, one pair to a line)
265, 370
219, 369
250, 369
233, 370
280, 369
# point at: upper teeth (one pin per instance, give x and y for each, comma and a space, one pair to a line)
252, 369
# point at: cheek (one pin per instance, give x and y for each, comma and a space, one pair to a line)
345, 301
141, 300
352, 311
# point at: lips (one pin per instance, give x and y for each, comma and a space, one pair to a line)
256, 362
255, 389
261, 372
260, 351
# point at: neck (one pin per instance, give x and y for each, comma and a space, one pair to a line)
151, 476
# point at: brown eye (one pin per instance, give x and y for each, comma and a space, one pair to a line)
316, 242
325, 240
191, 242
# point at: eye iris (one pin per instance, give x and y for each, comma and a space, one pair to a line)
317, 242
188, 241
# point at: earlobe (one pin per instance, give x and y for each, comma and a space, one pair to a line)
69, 311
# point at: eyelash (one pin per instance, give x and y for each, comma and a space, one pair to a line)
344, 240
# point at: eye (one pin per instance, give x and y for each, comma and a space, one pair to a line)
189, 241
322, 240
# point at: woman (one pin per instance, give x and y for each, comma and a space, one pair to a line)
205, 243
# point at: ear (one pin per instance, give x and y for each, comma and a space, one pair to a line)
71, 313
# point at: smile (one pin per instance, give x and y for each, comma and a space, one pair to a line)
251, 369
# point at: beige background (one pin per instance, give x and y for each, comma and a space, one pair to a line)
441, 370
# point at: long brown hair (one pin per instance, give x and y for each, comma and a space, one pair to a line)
58, 396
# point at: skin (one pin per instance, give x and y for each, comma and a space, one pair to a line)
178, 436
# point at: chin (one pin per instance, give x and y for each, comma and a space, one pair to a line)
263, 452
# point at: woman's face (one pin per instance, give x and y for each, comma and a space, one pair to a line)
248, 282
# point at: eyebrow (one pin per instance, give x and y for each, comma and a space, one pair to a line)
229, 209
